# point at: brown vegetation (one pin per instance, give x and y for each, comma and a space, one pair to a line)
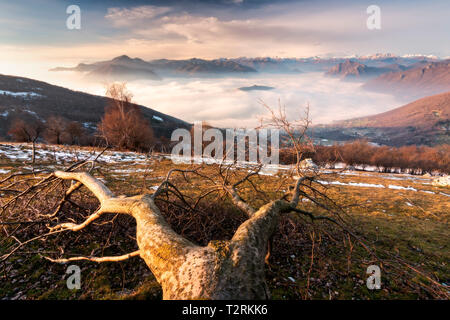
56, 130
55, 127
410, 159
123, 125
22, 131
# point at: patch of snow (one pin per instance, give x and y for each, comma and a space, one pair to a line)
368, 168
267, 169
89, 125
441, 181
132, 170
368, 185
18, 153
308, 164
265, 173
401, 188
340, 165
34, 114
333, 182
353, 184
21, 94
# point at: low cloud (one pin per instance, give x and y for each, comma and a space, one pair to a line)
219, 101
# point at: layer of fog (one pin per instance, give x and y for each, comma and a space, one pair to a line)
221, 103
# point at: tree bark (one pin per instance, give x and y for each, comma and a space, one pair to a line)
232, 269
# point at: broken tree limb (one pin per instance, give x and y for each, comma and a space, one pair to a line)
221, 270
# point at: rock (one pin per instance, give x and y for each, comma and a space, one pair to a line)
441, 181
308, 164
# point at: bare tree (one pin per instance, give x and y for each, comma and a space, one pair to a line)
27, 132
123, 125
22, 131
75, 133
55, 129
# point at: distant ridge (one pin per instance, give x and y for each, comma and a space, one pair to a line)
126, 68
421, 80
354, 70
425, 112
424, 121
256, 87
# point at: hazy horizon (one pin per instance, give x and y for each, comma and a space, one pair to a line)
220, 102
34, 38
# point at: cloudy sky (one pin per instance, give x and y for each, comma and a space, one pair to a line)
36, 29
34, 38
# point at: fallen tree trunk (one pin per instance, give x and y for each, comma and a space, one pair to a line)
232, 269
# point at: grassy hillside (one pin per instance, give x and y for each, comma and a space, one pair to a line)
425, 112
27, 98
423, 122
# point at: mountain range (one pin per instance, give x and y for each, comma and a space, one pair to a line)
417, 80
354, 70
323, 64
409, 77
126, 68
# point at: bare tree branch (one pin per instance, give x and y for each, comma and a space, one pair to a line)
97, 259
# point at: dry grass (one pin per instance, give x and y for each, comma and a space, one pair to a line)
309, 261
